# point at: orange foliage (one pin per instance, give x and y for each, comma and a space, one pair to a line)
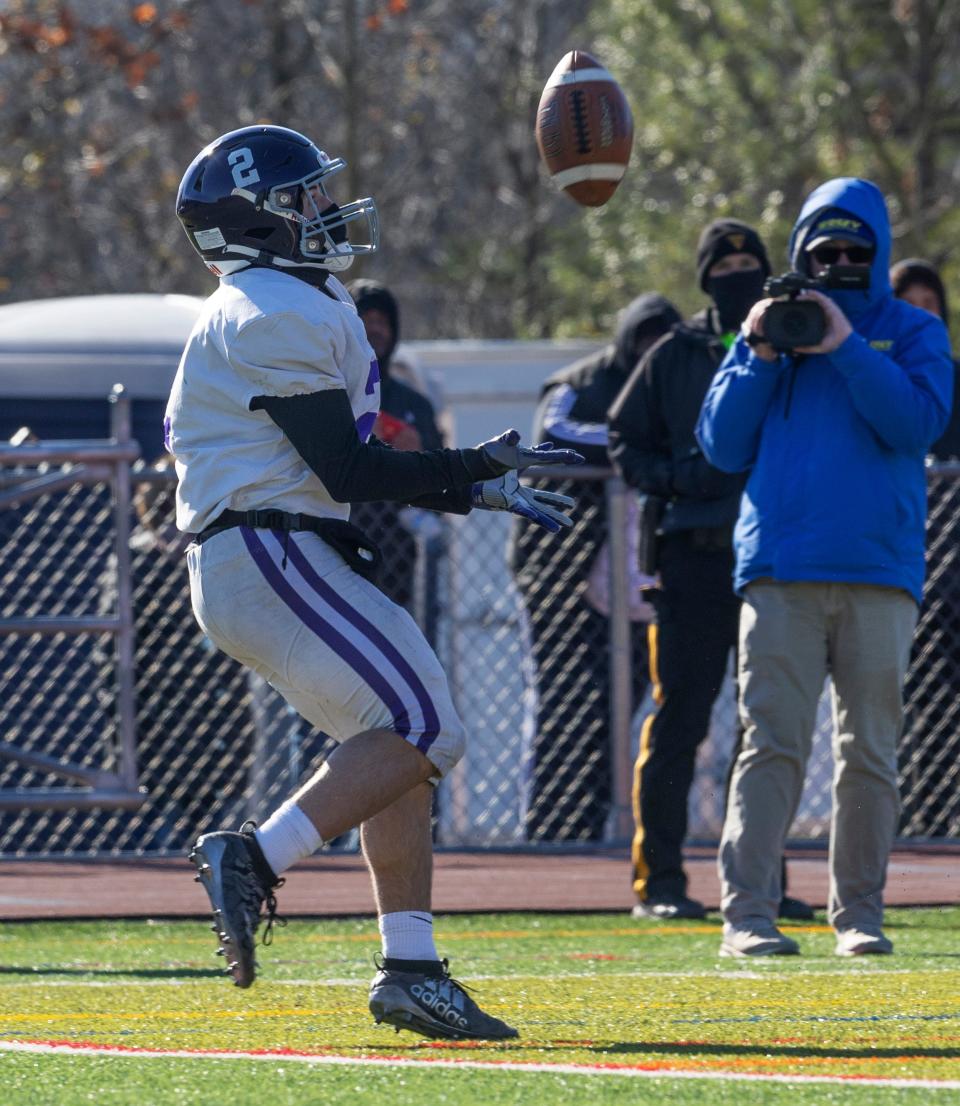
137, 67
108, 42
398, 7
55, 36
32, 35
374, 22
144, 13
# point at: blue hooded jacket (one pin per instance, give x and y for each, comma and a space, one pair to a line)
836, 442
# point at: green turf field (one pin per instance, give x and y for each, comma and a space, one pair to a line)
609, 1010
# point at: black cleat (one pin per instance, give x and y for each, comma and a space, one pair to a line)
422, 996
238, 881
670, 907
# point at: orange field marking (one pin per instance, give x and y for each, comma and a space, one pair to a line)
518, 934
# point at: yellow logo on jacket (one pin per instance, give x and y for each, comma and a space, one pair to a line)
882, 344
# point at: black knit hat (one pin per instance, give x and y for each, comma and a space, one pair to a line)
726, 236
372, 295
914, 270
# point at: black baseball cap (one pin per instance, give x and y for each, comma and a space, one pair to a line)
836, 224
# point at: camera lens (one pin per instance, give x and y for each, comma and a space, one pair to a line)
794, 323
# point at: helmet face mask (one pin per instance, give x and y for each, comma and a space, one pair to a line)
323, 226
258, 196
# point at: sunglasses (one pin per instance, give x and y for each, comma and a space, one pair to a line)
830, 255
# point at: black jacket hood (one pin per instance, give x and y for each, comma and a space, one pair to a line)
648, 313
371, 294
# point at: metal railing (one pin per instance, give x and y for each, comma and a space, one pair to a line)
32, 472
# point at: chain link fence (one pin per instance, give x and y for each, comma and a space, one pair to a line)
545, 652
929, 754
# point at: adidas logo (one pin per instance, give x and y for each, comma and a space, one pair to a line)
441, 1006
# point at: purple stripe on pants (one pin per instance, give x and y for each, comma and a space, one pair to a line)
431, 720
327, 633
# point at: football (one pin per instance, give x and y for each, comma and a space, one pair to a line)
584, 129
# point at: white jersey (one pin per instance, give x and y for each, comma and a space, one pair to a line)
262, 333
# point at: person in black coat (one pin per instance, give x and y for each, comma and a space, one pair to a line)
567, 767
929, 765
919, 283
695, 627
407, 421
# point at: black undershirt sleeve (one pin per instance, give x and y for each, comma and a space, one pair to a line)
321, 428
453, 501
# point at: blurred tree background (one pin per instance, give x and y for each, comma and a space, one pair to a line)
740, 106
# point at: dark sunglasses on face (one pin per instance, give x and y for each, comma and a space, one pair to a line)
855, 255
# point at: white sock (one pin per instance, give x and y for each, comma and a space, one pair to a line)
287, 836
408, 935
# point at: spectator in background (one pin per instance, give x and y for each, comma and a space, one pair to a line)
919, 283
830, 562
405, 366
693, 506
928, 752
568, 766
407, 421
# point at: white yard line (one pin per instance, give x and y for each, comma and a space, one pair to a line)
647, 1072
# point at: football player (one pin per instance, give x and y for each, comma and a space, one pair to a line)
269, 422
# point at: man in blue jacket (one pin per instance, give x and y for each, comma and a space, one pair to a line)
829, 560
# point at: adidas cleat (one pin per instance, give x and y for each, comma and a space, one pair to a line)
238, 882
421, 996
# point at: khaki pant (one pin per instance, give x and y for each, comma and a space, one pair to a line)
792, 635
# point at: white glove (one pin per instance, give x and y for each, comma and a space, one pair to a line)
506, 493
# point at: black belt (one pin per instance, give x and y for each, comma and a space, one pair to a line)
360, 553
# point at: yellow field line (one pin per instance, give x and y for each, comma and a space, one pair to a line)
701, 1002
160, 1015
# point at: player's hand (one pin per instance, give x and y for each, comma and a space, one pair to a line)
507, 453
506, 493
838, 325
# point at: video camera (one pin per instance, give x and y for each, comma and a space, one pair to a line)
793, 322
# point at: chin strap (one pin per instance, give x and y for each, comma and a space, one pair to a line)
312, 275
316, 278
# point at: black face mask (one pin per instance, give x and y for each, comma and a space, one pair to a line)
734, 294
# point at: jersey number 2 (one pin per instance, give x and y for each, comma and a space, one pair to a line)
244, 172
